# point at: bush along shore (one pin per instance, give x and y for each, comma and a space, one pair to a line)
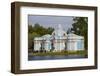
81, 53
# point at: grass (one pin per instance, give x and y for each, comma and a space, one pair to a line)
81, 52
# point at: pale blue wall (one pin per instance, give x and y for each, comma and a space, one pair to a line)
79, 44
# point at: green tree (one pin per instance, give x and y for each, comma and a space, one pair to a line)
80, 27
30, 29
50, 30
37, 31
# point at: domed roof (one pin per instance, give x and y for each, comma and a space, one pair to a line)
59, 32
74, 36
47, 36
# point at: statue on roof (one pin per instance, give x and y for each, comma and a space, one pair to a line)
59, 27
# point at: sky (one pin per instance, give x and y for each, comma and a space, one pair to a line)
51, 21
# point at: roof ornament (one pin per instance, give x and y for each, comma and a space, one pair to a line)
59, 27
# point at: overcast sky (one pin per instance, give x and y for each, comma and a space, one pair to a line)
51, 21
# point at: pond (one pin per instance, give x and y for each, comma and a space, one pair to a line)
54, 57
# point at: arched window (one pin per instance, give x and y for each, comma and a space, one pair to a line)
64, 34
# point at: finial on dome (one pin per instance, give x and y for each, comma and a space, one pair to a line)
59, 26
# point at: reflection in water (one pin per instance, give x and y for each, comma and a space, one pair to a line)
54, 57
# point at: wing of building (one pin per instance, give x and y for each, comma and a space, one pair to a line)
59, 40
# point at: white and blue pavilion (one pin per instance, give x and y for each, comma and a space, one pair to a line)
59, 40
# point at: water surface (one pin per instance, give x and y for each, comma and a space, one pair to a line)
55, 57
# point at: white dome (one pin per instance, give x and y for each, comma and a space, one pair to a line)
46, 37
74, 36
59, 32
